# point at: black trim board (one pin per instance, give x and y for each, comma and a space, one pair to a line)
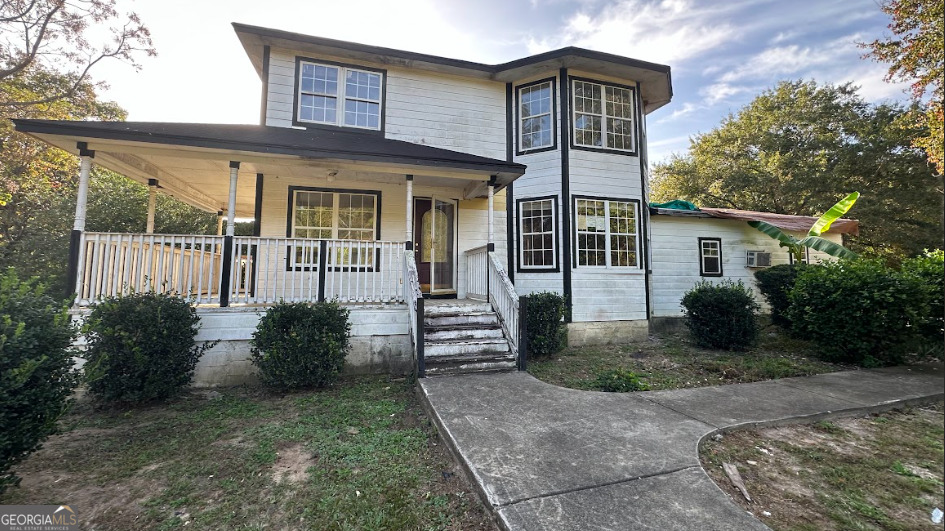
510, 189
258, 206
565, 194
264, 106
517, 220
640, 236
516, 132
339, 108
636, 117
644, 212
702, 272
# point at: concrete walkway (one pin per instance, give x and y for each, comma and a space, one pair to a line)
546, 457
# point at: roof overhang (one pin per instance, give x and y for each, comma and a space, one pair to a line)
655, 79
191, 161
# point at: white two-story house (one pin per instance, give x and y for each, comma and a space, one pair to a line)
388, 180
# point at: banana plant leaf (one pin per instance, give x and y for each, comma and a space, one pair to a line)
822, 225
776, 233
827, 246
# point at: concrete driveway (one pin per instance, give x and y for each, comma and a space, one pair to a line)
546, 457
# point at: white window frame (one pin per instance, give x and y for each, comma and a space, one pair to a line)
608, 250
552, 207
550, 114
340, 96
604, 116
306, 256
717, 243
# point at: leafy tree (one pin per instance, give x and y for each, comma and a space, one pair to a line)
799, 145
66, 39
916, 52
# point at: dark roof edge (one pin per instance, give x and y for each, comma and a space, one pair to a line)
457, 63
59, 127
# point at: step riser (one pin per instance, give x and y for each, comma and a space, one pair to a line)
457, 309
486, 333
458, 349
470, 368
453, 320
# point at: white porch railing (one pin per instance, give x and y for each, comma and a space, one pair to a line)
504, 301
477, 273
414, 299
267, 270
114, 264
262, 270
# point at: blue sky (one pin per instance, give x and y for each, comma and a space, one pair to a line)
722, 54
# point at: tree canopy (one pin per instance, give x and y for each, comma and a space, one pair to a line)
67, 39
916, 53
798, 148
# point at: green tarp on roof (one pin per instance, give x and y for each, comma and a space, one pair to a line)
675, 204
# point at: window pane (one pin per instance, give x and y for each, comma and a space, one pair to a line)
535, 116
536, 233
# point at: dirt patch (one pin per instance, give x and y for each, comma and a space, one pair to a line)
292, 463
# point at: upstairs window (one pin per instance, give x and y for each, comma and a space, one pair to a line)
337, 95
536, 116
602, 116
710, 257
606, 233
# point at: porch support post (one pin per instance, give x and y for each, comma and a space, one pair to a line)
227, 265
491, 189
82, 199
409, 232
219, 223
152, 204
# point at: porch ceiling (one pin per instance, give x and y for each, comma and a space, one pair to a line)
191, 161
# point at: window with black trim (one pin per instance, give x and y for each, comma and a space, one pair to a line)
536, 116
537, 228
339, 95
710, 257
602, 115
334, 215
606, 232
805, 258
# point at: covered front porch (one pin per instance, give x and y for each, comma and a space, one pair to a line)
356, 218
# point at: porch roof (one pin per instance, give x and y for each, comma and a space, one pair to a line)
190, 160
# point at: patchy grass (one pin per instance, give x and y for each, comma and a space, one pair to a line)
358, 456
672, 361
879, 472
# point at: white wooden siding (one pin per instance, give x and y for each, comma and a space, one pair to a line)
675, 251
450, 112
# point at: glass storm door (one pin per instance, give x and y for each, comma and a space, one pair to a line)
434, 227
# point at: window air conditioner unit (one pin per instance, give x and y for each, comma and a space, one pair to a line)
759, 259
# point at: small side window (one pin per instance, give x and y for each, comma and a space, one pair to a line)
710, 257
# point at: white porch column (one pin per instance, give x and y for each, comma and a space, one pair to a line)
219, 223
152, 204
491, 189
231, 204
82, 197
76, 249
409, 212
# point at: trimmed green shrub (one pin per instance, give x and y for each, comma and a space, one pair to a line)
141, 347
297, 345
619, 381
929, 269
722, 315
775, 283
858, 311
544, 326
36, 375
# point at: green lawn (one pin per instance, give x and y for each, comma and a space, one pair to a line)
672, 361
879, 472
359, 456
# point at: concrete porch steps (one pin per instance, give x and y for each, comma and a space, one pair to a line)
464, 337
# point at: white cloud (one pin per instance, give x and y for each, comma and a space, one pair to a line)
686, 109
718, 92
779, 61
668, 32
